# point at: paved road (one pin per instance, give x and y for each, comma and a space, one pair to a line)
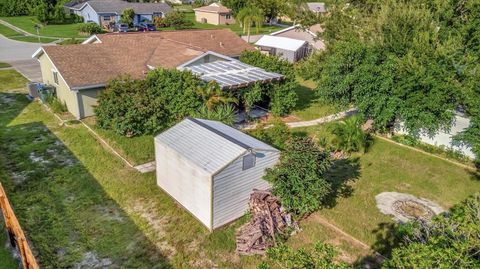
19, 55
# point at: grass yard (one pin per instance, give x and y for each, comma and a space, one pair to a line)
11, 34
137, 150
6, 259
389, 167
11, 79
4, 65
27, 23
309, 107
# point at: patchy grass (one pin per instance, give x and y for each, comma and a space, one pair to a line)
11, 79
6, 259
8, 32
4, 65
389, 167
33, 39
27, 23
310, 107
137, 150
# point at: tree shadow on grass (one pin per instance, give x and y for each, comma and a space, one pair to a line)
69, 219
306, 97
341, 174
387, 238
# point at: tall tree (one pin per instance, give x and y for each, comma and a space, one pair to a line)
249, 16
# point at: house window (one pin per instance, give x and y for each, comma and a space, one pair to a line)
228, 16
249, 161
106, 18
55, 76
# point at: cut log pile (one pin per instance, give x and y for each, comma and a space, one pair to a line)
268, 220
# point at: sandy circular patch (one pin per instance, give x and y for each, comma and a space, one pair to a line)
406, 207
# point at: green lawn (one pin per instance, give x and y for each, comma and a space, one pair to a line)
9, 33
137, 150
389, 167
6, 259
4, 65
11, 79
310, 107
27, 23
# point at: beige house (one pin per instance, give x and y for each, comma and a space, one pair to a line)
215, 14
80, 72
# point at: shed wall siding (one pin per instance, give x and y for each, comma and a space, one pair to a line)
187, 184
64, 94
233, 186
212, 18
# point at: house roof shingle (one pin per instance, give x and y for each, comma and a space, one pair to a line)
85, 65
117, 6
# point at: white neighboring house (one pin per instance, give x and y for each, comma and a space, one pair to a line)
286, 48
211, 169
292, 43
317, 7
443, 138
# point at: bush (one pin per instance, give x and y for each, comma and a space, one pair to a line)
450, 241
322, 256
299, 178
349, 136
177, 20
137, 107
274, 132
282, 95
127, 16
56, 105
90, 28
70, 41
224, 113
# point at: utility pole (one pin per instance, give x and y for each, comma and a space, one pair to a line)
37, 27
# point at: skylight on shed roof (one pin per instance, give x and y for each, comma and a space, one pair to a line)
232, 74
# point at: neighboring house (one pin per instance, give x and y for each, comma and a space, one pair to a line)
444, 138
108, 12
292, 43
215, 14
210, 169
80, 72
317, 7
286, 48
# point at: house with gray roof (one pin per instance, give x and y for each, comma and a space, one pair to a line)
108, 12
317, 7
211, 169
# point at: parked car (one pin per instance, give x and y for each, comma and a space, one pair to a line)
146, 27
121, 27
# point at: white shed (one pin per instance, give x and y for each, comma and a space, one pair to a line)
287, 48
211, 168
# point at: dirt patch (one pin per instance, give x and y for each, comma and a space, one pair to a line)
147, 211
90, 260
110, 213
405, 207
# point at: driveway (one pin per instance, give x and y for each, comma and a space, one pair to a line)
19, 55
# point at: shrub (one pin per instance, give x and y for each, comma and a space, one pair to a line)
450, 241
159, 22
299, 178
282, 95
224, 113
137, 107
90, 28
178, 20
349, 136
275, 132
127, 16
322, 256
56, 105
70, 41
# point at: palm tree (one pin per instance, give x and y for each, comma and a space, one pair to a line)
224, 113
248, 16
213, 95
349, 135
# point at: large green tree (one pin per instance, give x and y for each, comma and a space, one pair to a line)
413, 61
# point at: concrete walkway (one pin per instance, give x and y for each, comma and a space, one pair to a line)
333, 117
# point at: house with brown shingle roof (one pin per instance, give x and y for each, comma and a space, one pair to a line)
80, 72
215, 13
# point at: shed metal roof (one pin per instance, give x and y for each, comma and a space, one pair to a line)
232, 74
280, 42
210, 145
